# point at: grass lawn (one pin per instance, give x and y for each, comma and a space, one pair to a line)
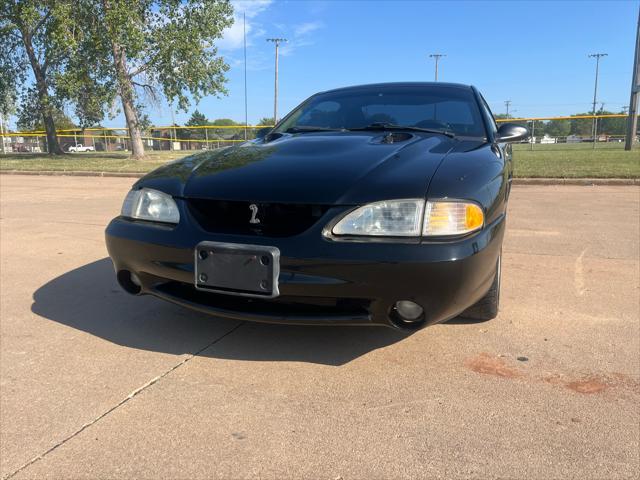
608, 160
578, 160
87, 162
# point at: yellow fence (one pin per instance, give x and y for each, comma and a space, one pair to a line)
214, 135
573, 117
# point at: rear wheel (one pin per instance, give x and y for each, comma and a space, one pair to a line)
487, 307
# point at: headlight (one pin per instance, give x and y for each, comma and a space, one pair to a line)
147, 204
443, 218
411, 218
391, 218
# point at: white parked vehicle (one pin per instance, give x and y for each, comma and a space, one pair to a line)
81, 148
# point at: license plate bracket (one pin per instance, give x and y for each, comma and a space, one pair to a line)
237, 269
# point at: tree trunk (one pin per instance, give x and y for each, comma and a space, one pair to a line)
53, 146
127, 95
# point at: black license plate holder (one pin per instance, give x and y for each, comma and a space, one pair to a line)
237, 269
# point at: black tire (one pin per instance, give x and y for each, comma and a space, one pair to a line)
487, 307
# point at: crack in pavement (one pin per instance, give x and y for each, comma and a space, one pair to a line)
121, 402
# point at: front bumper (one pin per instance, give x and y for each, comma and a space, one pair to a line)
321, 281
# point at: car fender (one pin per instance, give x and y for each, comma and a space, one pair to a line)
478, 174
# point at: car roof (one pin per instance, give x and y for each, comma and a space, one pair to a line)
401, 84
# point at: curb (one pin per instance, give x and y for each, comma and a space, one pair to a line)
516, 181
576, 181
54, 173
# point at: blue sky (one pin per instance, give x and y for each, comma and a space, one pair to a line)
532, 53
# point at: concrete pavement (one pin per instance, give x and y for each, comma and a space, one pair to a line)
95, 383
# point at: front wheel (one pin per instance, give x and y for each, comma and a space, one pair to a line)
487, 307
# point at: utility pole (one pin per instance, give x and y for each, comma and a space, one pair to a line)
2, 134
437, 57
507, 103
277, 41
174, 139
597, 56
632, 120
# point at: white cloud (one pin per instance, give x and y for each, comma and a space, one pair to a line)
301, 37
233, 37
305, 28
251, 8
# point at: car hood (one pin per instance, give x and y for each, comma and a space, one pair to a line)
330, 168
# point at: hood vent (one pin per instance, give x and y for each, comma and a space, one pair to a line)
393, 137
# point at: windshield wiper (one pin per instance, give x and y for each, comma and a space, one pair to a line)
391, 126
305, 129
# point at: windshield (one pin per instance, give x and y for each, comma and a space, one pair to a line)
450, 109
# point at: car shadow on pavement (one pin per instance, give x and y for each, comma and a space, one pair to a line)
89, 299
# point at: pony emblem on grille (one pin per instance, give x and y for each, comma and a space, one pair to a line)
254, 212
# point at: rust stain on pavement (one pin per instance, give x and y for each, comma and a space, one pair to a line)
588, 385
488, 364
491, 365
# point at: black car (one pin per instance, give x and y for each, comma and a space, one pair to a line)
376, 205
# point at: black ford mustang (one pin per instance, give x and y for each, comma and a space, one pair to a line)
377, 204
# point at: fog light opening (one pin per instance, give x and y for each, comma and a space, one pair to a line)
129, 282
407, 313
135, 280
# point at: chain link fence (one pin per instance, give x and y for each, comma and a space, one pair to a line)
546, 133
178, 138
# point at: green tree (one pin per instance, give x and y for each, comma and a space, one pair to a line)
536, 128
10, 74
223, 122
197, 119
558, 128
266, 121
153, 47
36, 34
581, 126
62, 121
612, 126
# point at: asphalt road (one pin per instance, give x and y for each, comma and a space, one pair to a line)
96, 383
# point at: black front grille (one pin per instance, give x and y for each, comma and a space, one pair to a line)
284, 307
269, 220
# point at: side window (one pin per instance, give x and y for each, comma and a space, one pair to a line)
489, 116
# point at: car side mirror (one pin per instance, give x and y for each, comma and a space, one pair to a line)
511, 132
263, 132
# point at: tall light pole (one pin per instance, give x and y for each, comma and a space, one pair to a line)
632, 120
597, 56
277, 41
437, 57
507, 103
244, 41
